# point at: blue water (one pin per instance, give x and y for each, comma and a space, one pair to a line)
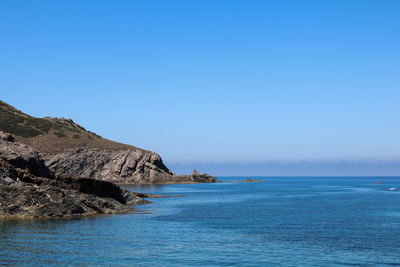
286, 221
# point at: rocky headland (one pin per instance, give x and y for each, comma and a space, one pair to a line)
68, 148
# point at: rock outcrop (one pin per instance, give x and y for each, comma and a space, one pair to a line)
24, 193
196, 178
22, 156
120, 166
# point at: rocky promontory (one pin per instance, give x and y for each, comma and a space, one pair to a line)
68, 148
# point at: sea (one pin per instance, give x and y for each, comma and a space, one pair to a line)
283, 221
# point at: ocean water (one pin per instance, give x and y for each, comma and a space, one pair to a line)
286, 221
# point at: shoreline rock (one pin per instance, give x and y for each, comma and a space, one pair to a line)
29, 189
146, 195
196, 178
24, 194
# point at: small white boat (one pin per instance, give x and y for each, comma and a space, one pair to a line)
392, 188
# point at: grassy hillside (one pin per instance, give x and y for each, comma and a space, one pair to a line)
50, 135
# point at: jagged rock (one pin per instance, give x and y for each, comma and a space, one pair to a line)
195, 173
25, 195
196, 177
205, 178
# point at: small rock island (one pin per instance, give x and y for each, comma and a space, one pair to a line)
248, 180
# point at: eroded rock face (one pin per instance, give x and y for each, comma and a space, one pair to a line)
22, 156
121, 166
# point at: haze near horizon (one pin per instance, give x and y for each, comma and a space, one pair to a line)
216, 83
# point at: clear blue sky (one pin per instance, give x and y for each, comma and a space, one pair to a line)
213, 81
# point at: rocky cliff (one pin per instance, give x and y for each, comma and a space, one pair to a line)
24, 193
68, 148
120, 166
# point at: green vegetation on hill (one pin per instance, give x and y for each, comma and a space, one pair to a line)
51, 135
15, 122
